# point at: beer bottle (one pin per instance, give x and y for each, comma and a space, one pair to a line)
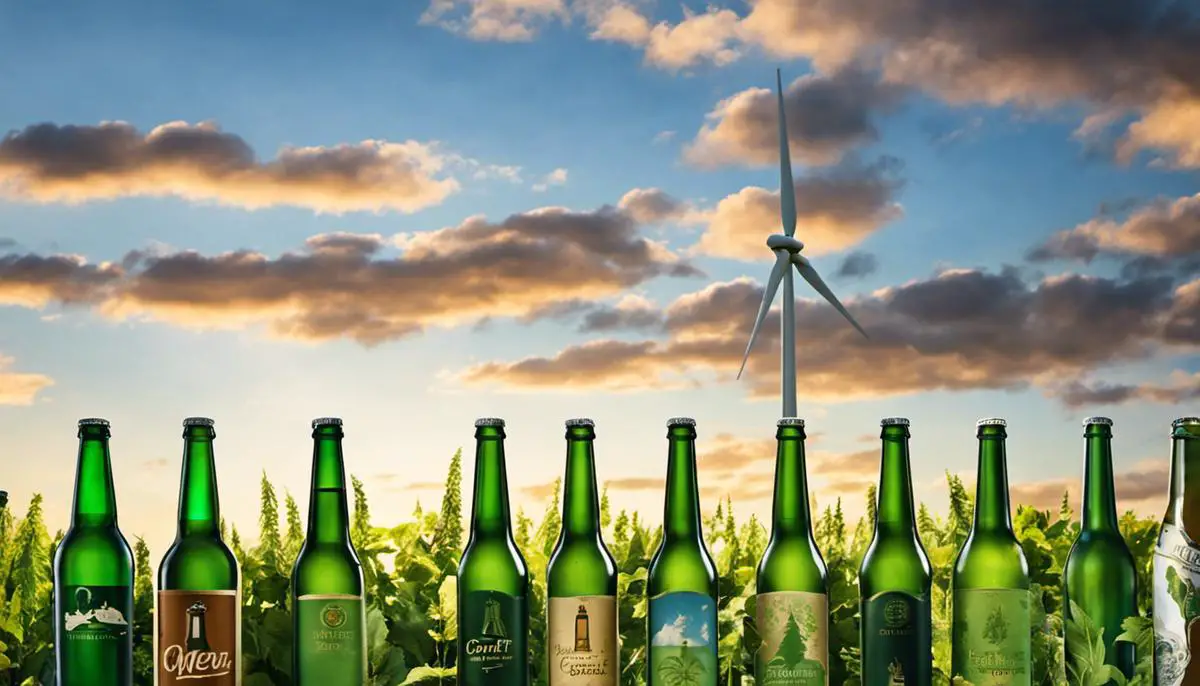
581, 578
328, 615
198, 619
493, 581
1177, 564
792, 615
990, 630
1100, 576
682, 582
895, 628
93, 576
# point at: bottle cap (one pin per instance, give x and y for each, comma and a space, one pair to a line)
991, 421
1097, 420
894, 421
1184, 420
790, 421
579, 421
198, 421
326, 421
681, 421
93, 421
489, 421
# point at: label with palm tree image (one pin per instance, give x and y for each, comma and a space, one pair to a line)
492, 637
683, 640
992, 636
794, 628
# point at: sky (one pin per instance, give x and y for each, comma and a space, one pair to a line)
413, 213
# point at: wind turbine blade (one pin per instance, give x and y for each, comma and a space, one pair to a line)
777, 271
814, 279
787, 188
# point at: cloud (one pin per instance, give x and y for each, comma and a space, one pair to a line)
19, 388
958, 330
494, 20
630, 313
836, 208
1164, 231
635, 484
1142, 487
558, 177
652, 205
340, 286
1077, 394
827, 116
857, 265
711, 36
540, 491
73, 164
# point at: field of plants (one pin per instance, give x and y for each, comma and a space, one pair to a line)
411, 617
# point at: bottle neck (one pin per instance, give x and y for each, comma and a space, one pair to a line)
991, 492
199, 510
95, 499
1183, 510
681, 517
328, 512
1099, 497
489, 512
894, 506
790, 515
581, 503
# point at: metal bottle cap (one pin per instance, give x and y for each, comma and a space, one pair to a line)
1184, 420
326, 421
991, 421
94, 421
894, 421
790, 421
198, 421
681, 421
489, 421
1097, 420
580, 421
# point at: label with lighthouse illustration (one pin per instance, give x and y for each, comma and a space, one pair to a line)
583, 641
198, 638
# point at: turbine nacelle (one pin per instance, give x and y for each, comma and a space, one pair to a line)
779, 241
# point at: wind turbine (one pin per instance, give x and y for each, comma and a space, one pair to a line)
787, 254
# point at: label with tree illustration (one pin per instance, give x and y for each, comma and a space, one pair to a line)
94, 637
794, 628
1176, 607
582, 650
492, 633
897, 641
992, 636
683, 640
198, 638
331, 640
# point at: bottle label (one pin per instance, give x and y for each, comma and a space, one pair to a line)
1176, 605
198, 638
897, 640
94, 636
992, 636
794, 628
331, 640
582, 650
492, 631
683, 639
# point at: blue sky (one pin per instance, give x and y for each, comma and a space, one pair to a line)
981, 163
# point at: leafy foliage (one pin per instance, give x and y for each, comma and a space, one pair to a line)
409, 571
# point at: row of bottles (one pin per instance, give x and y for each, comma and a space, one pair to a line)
197, 619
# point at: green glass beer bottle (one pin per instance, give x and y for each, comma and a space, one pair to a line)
681, 585
990, 630
581, 578
198, 637
792, 601
328, 613
1177, 565
895, 628
93, 576
1100, 577
493, 581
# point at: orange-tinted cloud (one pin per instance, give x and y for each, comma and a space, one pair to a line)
498, 20
19, 388
52, 163
1143, 488
1180, 388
